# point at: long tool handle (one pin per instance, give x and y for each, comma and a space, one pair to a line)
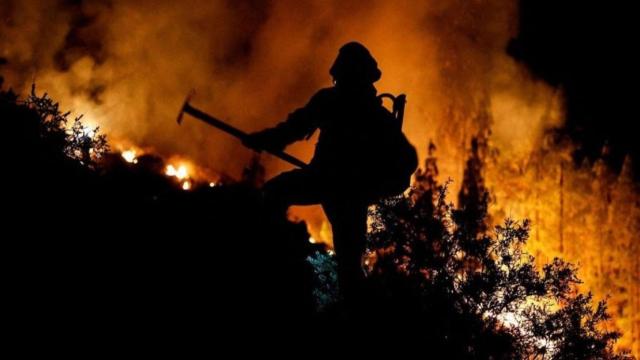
187, 108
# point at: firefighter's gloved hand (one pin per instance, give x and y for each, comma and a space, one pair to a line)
256, 141
262, 140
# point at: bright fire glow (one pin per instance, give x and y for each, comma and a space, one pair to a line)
516, 320
186, 185
180, 173
89, 132
130, 156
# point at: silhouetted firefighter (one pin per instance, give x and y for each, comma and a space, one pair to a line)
361, 156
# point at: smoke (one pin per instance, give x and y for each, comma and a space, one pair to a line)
128, 65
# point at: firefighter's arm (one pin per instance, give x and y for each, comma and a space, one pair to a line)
299, 124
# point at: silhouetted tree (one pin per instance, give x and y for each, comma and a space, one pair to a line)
477, 290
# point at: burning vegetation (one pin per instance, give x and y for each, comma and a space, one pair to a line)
503, 131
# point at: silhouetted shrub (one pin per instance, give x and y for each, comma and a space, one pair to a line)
477, 290
77, 141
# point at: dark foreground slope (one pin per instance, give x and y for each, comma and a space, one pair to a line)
116, 248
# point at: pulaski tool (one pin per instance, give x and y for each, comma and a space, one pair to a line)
217, 123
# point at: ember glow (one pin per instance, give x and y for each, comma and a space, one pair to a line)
130, 156
179, 173
128, 65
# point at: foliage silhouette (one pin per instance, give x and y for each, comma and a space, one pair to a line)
78, 141
478, 289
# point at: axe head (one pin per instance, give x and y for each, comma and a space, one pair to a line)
184, 105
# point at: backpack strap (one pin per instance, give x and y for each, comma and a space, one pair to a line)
398, 105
